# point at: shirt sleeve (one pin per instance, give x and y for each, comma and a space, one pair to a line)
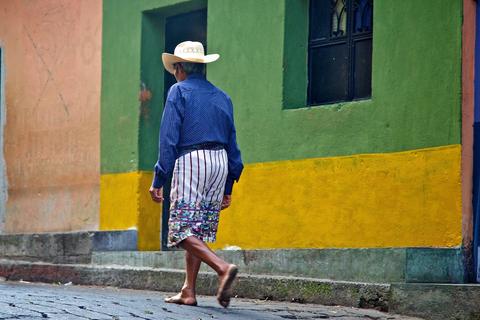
168, 137
235, 165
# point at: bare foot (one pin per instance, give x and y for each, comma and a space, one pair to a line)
225, 289
185, 297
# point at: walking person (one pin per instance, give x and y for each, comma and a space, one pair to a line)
198, 146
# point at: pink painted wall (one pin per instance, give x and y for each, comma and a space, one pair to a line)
52, 55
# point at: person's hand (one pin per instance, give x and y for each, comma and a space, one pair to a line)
156, 194
227, 200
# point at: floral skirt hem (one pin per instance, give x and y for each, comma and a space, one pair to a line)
174, 243
188, 219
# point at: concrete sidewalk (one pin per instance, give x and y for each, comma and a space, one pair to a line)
429, 301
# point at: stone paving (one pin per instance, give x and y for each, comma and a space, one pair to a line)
21, 300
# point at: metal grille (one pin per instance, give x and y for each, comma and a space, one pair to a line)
340, 50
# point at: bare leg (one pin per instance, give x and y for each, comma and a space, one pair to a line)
225, 271
198, 248
192, 266
187, 294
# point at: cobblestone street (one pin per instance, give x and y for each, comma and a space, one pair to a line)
40, 301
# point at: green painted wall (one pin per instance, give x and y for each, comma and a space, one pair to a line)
129, 131
120, 86
415, 87
295, 55
153, 25
416, 83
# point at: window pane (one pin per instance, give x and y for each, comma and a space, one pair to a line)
328, 74
363, 15
339, 18
340, 50
320, 19
363, 69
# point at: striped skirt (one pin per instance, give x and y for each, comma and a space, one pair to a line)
196, 195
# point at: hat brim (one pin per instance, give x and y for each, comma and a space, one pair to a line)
169, 60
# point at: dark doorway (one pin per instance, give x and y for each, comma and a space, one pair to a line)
188, 26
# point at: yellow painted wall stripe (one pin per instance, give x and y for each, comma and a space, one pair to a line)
403, 199
398, 199
119, 201
150, 215
125, 203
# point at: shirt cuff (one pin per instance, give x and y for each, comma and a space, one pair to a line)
158, 181
228, 186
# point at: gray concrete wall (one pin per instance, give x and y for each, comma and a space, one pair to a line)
410, 265
368, 265
436, 301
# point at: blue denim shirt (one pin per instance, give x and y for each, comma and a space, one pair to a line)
196, 112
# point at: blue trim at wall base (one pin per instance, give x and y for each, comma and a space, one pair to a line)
71, 247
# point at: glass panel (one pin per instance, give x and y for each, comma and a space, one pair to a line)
363, 15
363, 69
329, 72
320, 19
339, 18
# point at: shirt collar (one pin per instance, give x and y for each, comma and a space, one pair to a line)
196, 76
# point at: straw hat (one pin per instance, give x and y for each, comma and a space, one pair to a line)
187, 51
